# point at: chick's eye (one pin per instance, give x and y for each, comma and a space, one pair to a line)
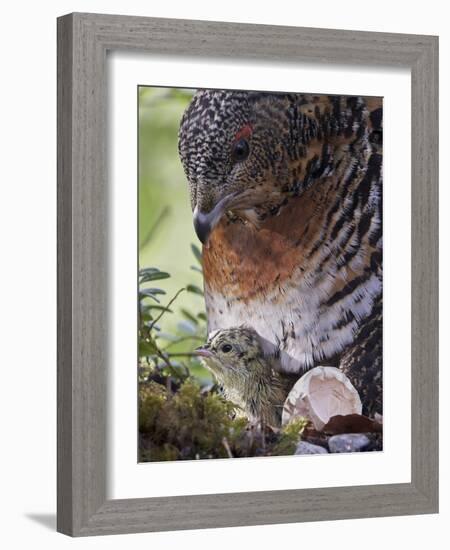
226, 348
240, 150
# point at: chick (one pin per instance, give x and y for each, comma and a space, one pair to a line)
236, 358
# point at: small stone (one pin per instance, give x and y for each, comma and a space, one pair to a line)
348, 443
376, 442
305, 448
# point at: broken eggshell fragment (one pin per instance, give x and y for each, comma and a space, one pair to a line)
320, 394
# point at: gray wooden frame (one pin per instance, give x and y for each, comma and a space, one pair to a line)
83, 41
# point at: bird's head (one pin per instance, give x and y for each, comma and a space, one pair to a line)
232, 352
232, 150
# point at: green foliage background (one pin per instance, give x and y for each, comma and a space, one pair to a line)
166, 232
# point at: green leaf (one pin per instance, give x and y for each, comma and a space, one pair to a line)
154, 276
159, 308
187, 327
189, 316
143, 295
145, 270
146, 316
147, 348
194, 289
202, 316
195, 268
156, 290
151, 292
197, 253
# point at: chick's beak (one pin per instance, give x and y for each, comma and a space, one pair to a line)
203, 352
205, 222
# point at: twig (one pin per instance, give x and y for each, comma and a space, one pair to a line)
153, 323
161, 355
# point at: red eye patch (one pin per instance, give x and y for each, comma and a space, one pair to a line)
244, 132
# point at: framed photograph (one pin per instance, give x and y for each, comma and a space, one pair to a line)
247, 274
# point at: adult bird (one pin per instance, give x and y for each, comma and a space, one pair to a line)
286, 193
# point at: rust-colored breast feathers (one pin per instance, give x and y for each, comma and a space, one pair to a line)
243, 262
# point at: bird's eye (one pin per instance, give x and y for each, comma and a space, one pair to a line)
226, 348
241, 150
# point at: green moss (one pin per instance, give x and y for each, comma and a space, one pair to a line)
289, 436
152, 398
193, 423
188, 424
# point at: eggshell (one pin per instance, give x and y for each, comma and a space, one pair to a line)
320, 394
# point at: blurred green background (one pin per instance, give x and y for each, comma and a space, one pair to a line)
166, 232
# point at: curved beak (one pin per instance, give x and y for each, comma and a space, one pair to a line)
205, 222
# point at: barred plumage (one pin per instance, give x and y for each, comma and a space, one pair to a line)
294, 229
